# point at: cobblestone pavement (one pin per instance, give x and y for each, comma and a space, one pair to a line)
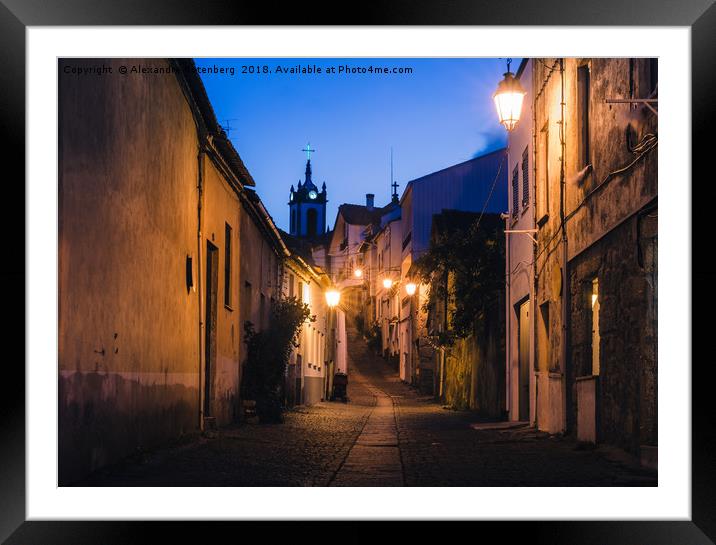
386, 435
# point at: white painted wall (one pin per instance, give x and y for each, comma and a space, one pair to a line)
519, 251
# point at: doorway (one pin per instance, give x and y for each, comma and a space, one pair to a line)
212, 277
523, 352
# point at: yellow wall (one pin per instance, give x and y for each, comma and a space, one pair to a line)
128, 325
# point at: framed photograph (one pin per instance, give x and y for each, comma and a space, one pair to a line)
272, 265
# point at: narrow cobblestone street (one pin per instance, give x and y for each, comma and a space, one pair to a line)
386, 435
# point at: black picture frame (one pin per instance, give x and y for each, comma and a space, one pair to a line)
16, 15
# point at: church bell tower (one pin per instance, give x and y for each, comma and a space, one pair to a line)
307, 205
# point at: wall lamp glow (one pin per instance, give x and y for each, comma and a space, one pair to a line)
333, 297
508, 99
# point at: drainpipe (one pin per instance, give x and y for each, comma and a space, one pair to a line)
199, 253
565, 277
508, 336
533, 272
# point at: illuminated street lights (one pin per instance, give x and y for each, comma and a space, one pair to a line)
358, 273
410, 288
333, 297
387, 283
508, 99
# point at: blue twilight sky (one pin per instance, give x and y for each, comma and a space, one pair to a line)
439, 115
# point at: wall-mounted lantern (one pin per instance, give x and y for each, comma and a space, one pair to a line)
333, 297
410, 288
508, 99
358, 272
387, 283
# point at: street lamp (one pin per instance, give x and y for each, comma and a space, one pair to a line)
358, 273
508, 99
387, 283
410, 288
333, 297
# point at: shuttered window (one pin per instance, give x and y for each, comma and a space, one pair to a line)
515, 191
583, 92
525, 179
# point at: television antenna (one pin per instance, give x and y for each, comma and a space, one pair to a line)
227, 126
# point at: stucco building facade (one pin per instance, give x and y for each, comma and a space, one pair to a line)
148, 338
165, 254
520, 371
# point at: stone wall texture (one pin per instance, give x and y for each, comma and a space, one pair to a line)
610, 207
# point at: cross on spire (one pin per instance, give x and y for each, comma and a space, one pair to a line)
308, 151
394, 185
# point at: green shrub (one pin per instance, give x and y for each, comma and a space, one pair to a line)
268, 352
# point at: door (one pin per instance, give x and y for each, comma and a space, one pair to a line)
212, 278
524, 360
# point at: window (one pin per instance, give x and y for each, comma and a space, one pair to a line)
543, 180
515, 191
227, 265
653, 77
291, 291
189, 270
595, 326
312, 220
306, 293
293, 222
525, 179
407, 239
583, 114
542, 361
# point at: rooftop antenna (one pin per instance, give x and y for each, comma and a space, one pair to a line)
227, 126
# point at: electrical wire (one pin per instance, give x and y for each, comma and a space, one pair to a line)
492, 189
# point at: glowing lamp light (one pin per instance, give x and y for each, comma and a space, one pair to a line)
387, 283
333, 297
508, 99
410, 288
358, 273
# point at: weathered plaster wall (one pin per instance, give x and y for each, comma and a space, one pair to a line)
520, 249
259, 270
313, 345
474, 370
128, 325
221, 207
602, 241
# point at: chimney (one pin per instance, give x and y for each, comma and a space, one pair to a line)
369, 200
